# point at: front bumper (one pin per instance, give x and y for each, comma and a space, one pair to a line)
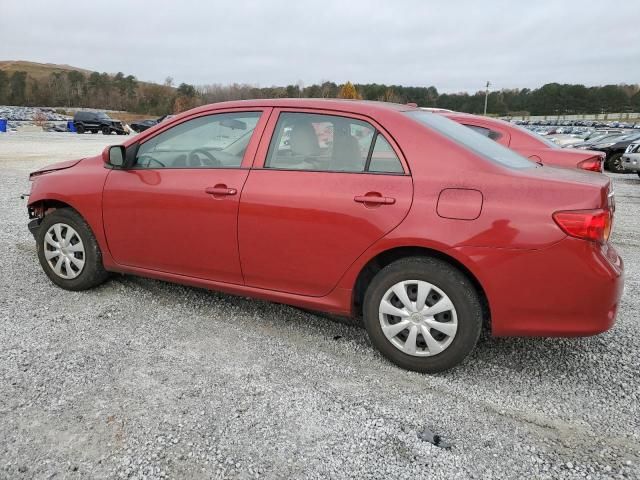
34, 226
631, 162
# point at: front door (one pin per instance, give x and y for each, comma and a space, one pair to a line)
175, 209
327, 188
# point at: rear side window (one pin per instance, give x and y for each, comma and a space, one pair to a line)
466, 137
383, 158
329, 143
487, 132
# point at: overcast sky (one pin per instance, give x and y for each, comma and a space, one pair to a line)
453, 45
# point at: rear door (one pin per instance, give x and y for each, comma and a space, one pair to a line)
176, 209
324, 187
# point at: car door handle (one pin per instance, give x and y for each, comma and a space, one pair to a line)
220, 190
374, 199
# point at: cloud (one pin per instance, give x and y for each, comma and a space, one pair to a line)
454, 45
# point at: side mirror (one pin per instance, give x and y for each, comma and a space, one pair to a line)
114, 156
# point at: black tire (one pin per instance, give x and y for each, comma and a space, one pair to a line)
614, 164
93, 272
106, 131
80, 128
448, 279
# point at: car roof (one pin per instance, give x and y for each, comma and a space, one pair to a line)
363, 107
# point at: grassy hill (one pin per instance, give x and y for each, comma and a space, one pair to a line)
37, 70
107, 91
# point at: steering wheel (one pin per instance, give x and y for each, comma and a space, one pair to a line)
149, 160
209, 160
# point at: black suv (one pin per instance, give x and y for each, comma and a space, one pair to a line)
97, 121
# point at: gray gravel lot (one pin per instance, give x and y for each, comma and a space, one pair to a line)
145, 379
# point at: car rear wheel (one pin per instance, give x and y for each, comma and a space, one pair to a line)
79, 128
68, 251
422, 314
614, 164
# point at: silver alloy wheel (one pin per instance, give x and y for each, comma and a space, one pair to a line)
418, 318
64, 251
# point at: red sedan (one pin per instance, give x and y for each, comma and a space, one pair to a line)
421, 226
529, 144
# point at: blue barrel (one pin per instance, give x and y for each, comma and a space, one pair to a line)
71, 127
3, 124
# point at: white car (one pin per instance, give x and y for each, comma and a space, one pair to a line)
631, 158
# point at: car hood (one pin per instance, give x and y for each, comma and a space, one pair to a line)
55, 166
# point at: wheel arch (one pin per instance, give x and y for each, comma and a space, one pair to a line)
384, 258
42, 206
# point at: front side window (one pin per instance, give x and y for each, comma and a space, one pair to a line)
469, 139
212, 141
330, 143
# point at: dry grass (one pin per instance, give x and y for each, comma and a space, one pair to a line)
37, 70
128, 117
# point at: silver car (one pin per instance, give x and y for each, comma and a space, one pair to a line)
631, 158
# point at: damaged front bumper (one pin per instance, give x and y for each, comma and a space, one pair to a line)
34, 226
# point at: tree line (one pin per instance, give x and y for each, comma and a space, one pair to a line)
119, 92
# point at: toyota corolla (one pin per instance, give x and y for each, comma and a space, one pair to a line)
425, 229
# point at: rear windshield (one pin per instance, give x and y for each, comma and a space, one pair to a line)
474, 141
536, 137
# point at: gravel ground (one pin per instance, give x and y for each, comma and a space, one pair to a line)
145, 379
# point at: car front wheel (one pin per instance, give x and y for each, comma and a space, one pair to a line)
422, 314
614, 164
68, 251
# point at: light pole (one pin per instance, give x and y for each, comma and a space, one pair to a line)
486, 97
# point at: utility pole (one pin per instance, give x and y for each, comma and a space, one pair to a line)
486, 97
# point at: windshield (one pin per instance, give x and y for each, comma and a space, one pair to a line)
609, 137
597, 138
103, 116
631, 137
617, 138
473, 141
537, 137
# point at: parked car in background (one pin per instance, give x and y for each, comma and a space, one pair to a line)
426, 229
143, 125
566, 140
631, 158
600, 137
614, 148
94, 122
529, 144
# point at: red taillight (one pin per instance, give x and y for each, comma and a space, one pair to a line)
593, 164
593, 225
